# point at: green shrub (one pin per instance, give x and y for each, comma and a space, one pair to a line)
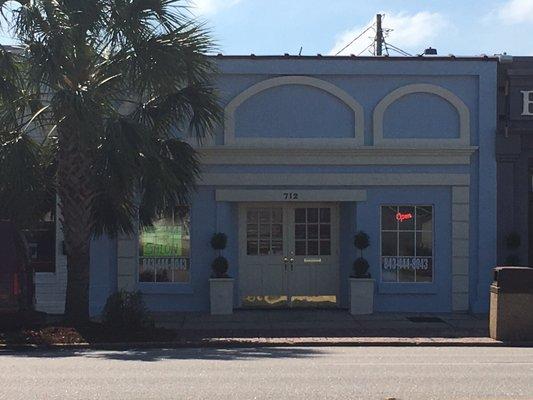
361, 241
219, 241
126, 311
360, 267
513, 240
220, 267
512, 260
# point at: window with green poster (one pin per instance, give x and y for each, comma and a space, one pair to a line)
164, 249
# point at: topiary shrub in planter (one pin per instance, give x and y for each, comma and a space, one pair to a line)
126, 311
361, 284
220, 264
219, 241
220, 267
513, 241
220, 284
360, 265
360, 268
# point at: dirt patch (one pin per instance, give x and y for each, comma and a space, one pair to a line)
91, 333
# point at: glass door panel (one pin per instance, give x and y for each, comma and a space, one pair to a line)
312, 279
262, 236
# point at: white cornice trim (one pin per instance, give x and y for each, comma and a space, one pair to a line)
333, 179
236, 155
454, 100
229, 111
242, 195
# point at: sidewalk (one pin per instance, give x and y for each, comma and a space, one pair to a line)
329, 327
296, 327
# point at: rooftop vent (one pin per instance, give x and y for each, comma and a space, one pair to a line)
430, 51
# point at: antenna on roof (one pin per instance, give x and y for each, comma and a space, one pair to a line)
300, 52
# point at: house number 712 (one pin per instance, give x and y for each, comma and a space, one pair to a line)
290, 196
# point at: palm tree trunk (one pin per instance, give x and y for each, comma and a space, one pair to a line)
75, 196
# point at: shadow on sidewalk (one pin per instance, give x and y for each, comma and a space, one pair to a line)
154, 355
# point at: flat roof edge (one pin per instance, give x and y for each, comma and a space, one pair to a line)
354, 58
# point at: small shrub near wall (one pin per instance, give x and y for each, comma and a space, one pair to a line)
126, 311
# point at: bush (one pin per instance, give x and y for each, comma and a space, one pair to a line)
512, 260
220, 267
513, 241
219, 241
126, 311
360, 267
361, 240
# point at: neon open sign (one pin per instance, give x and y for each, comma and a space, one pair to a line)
400, 217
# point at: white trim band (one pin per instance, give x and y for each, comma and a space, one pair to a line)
285, 195
333, 179
366, 155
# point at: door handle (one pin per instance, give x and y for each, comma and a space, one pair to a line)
285, 261
291, 260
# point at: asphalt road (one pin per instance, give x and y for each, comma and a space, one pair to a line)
271, 373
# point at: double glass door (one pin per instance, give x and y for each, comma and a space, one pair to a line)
288, 255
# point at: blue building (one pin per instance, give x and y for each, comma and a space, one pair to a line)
314, 149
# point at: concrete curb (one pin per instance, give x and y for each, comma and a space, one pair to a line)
275, 342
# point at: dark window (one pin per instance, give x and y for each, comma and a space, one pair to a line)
41, 242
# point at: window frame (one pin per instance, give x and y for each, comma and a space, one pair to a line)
319, 239
270, 225
49, 223
433, 249
161, 284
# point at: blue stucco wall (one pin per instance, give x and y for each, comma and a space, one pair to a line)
306, 112
436, 118
412, 297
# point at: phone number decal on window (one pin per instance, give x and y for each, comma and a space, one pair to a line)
174, 262
417, 263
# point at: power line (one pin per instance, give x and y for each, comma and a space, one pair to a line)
379, 43
398, 50
366, 48
357, 37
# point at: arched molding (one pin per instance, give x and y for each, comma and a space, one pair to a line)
454, 100
229, 113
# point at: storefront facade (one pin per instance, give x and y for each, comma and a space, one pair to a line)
514, 152
314, 149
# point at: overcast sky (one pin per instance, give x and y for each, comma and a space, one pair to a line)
461, 27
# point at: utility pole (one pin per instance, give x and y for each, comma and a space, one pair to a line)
379, 36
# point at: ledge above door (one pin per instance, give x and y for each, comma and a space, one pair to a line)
285, 195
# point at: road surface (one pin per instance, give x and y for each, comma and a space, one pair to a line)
270, 373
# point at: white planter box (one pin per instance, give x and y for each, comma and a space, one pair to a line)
361, 296
221, 296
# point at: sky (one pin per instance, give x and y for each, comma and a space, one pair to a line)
460, 27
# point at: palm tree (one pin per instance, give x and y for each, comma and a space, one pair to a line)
94, 110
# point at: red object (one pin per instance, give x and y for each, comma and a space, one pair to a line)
400, 217
16, 282
16, 285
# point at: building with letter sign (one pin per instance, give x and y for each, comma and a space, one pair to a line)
514, 152
313, 150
